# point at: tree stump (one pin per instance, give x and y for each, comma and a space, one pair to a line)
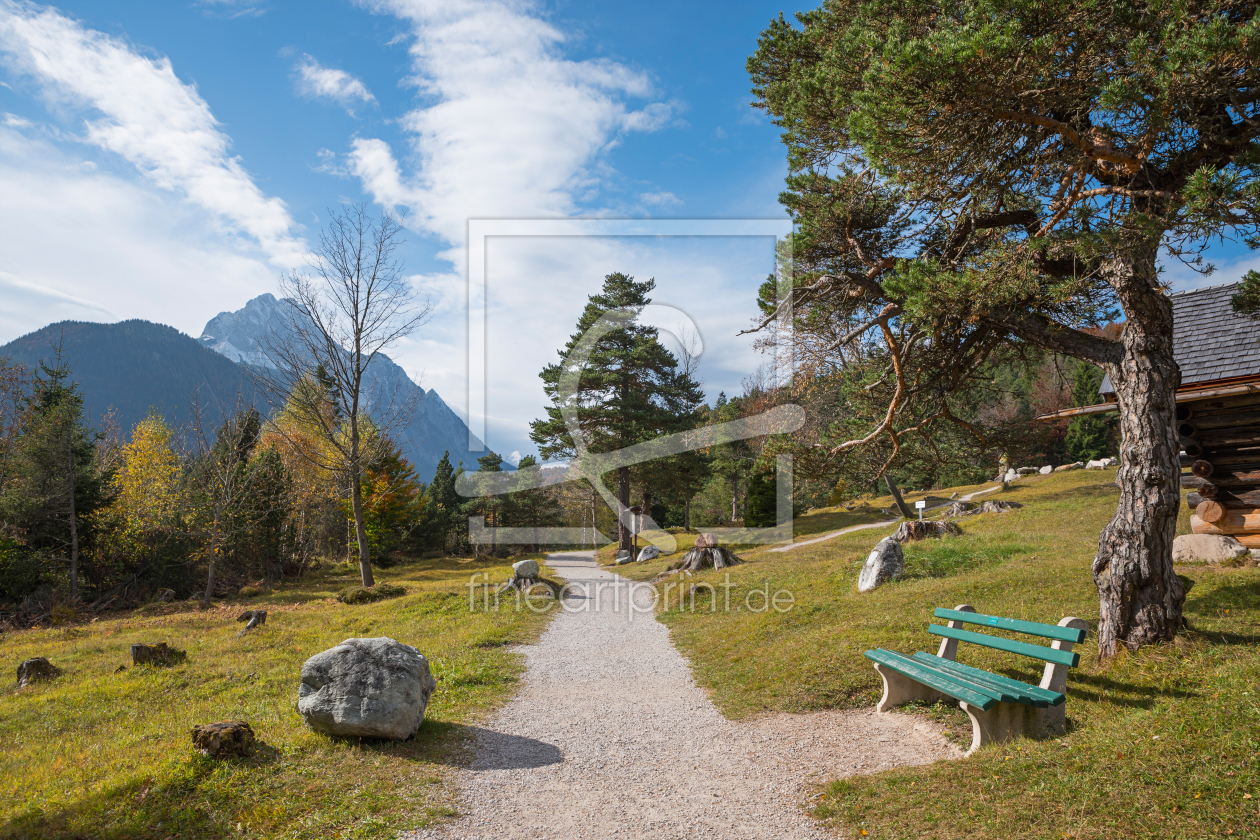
997, 506
157, 655
219, 740
525, 583
915, 529
707, 554
960, 509
254, 617
36, 670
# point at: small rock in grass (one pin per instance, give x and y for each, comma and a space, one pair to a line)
157, 655
366, 688
525, 568
885, 563
1027, 471
649, 552
36, 670
219, 740
1073, 466
706, 541
1046, 470
1213, 549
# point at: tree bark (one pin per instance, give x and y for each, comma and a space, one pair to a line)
360, 528
897, 500
623, 496
1140, 596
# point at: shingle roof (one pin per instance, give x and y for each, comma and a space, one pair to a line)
1210, 340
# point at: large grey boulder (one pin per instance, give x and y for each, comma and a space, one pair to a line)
1027, 470
525, 568
649, 552
1046, 470
1207, 548
366, 688
884, 563
624, 557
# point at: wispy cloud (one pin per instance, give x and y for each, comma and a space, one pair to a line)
509, 125
316, 81
233, 8
660, 199
136, 107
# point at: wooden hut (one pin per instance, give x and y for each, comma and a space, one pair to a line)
1218, 411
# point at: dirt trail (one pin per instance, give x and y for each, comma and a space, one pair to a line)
609, 736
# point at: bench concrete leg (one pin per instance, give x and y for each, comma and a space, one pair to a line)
1008, 721
900, 689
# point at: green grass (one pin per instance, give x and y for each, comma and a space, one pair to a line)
103, 754
1165, 742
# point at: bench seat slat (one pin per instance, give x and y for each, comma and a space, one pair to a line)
1030, 695
956, 687
1046, 654
1032, 628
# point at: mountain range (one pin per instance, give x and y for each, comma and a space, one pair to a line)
134, 367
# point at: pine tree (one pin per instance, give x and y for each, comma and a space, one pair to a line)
54, 484
630, 390
1088, 436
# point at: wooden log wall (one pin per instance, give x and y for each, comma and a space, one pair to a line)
1221, 438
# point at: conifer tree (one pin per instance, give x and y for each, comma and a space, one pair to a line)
630, 390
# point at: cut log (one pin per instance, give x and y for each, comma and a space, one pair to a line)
1241, 402
1184, 412
915, 529
1192, 482
1237, 475
1221, 438
1187, 430
1219, 455
1234, 525
227, 738
1250, 417
1202, 468
1234, 520
1243, 499
1193, 450
1210, 511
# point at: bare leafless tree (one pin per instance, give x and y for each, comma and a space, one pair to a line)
354, 303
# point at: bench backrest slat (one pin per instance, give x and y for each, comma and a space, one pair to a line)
1046, 654
1032, 628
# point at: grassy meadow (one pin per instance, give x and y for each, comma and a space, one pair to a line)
1165, 742
104, 753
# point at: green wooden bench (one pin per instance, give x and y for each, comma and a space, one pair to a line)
1000, 708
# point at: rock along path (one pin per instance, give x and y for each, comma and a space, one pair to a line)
610, 737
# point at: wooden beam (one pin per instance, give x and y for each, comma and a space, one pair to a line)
1248, 393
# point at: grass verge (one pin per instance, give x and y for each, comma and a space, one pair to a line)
105, 754
1164, 743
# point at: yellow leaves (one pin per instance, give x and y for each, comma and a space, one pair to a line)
147, 482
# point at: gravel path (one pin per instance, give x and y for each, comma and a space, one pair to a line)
609, 736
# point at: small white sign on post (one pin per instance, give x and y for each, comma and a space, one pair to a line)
920, 505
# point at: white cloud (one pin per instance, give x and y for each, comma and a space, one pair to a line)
660, 199
319, 82
509, 126
136, 107
87, 245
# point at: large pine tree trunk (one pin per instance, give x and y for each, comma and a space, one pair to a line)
1140, 596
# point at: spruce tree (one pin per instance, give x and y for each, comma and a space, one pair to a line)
54, 485
630, 390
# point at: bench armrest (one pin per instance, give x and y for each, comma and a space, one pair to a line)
1054, 678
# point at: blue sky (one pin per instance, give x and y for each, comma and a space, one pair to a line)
169, 160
